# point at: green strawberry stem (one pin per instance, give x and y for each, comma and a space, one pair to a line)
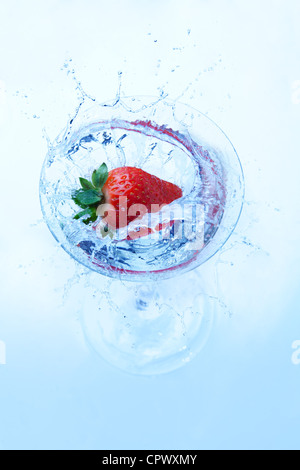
90, 195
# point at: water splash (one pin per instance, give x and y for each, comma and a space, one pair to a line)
158, 135
125, 132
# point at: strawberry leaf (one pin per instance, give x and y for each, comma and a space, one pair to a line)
100, 176
85, 184
76, 200
88, 197
82, 214
91, 212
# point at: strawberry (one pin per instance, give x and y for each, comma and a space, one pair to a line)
130, 193
127, 186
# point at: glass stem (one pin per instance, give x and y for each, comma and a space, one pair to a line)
145, 296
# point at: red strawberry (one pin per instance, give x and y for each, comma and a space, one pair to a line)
131, 192
127, 186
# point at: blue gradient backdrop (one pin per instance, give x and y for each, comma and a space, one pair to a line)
241, 59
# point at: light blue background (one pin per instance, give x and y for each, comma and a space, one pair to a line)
242, 61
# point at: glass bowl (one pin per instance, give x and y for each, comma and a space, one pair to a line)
168, 139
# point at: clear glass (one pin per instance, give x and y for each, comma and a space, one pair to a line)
176, 143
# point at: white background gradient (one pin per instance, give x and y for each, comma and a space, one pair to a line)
241, 58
